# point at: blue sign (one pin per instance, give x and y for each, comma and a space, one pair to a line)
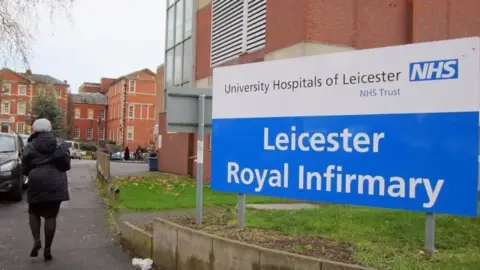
358, 128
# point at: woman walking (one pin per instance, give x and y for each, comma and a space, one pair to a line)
45, 162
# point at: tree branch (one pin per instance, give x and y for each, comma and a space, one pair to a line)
18, 22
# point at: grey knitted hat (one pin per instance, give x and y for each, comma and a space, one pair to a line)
42, 125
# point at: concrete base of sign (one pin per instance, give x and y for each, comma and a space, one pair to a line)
179, 247
282, 206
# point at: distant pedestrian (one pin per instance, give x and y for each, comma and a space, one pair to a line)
126, 155
45, 161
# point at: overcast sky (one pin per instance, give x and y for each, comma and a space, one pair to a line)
106, 38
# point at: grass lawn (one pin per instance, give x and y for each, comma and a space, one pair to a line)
385, 239
157, 191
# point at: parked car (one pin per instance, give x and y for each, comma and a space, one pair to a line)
74, 148
11, 178
120, 155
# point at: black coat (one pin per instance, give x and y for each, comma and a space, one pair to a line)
45, 162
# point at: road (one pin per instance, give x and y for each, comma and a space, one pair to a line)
82, 241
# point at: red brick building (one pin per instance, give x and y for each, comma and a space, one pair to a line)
17, 97
131, 109
286, 29
88, 117
89, 87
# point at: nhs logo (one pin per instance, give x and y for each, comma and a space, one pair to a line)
434, 70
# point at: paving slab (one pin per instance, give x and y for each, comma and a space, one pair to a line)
82, 241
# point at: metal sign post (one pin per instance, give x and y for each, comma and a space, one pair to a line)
430, 233
200, 141
190, 110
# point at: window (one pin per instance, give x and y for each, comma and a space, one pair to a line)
101, 134
131, 111
102, 115
76, 133
90, 113
6, 107
179, 21
21, 108
131, 87
188, 19
89, 133
7, 143
130, 132
177, 79
187, 61
77, 113
22, 90
169, 68
237, 28
170, 27
59, 92
171, 2
7, 88
20, 128
41, 91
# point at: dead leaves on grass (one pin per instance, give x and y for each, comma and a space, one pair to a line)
166, 183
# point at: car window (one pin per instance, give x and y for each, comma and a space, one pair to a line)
68, 144
7, 144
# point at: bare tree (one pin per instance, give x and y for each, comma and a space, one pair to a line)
18, 23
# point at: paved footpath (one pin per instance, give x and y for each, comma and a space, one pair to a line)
82, 241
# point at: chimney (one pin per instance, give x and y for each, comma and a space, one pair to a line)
28, 72
65, 81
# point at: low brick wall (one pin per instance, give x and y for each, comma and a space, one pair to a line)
181, 248
137, 240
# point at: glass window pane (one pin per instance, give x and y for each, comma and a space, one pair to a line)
170, 27
177, 73
179, 21
171, 2
187, 60
188, 18
169, 68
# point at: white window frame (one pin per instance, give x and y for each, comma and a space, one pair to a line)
3, 107
89, 136
24, 108
130, 131
77, 113
7, 86
101, 114
23, 127
101, 133
76, 133
130, 88
249, 29
24, 87
58, 92
131, 111
91, 114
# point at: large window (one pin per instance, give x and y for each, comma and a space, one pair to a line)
178, 55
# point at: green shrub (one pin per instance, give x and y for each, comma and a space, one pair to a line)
88, 147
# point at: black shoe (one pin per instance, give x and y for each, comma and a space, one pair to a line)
36, 246
47, 254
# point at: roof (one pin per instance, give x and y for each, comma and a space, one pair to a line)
130, 74
89, 98
37, 78
40, 78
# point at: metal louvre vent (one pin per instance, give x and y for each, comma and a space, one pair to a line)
227, 29
238, 26
256, 24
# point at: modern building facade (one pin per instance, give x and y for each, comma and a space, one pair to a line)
17, 97
245, 31
88, 117
131, 109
